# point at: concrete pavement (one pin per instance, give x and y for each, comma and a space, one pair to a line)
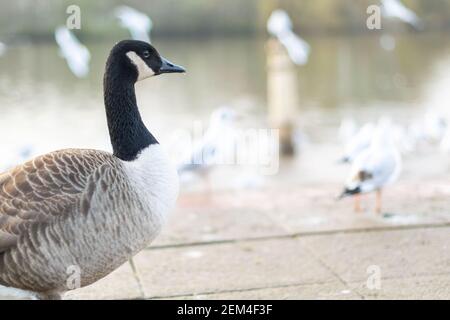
293, 243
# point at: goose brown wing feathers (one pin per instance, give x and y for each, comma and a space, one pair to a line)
44, 188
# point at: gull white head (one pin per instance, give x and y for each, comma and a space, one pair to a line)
279, 22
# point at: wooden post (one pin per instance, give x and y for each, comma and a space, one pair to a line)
282, 94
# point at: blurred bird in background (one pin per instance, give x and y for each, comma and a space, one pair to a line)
280, 26
435, 126
76, 54
395, 9
375, 167
216, 144
138, 24
358, 142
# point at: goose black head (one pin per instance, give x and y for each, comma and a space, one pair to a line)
138, 60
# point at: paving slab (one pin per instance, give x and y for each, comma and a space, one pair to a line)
232, 266
121, 284
268, 211
202, 224
398, 253
410, 246
309, 209
425, 287
325, 291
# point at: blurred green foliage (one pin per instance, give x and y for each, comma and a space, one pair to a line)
38, 18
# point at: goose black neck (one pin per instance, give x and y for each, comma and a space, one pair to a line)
127, 132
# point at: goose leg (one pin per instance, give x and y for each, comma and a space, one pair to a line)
135, 274
378, 201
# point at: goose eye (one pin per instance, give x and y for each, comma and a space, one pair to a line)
146, 54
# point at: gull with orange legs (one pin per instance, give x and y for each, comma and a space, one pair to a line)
375, 168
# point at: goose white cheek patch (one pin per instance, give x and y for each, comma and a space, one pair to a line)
144, 71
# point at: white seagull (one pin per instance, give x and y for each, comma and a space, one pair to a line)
435, 126
138, 24
75, 53
214, 145
376, 167
358, 143
396, 10
280, 26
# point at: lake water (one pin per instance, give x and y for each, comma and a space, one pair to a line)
44, 106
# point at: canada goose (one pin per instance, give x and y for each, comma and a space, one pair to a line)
138, 24
375, 167
75, 53
280, 26
88, 208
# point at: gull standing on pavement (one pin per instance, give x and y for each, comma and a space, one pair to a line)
374, 168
